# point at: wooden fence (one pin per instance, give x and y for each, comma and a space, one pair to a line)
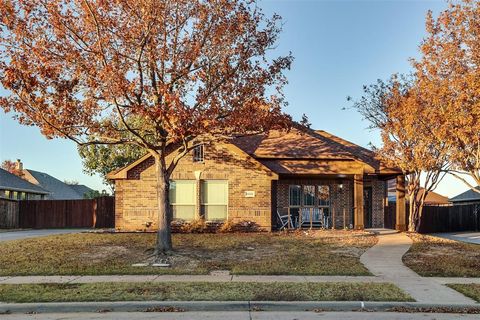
87, 213
450, 218
8, 213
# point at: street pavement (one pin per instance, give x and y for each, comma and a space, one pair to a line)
469, 237
25, 234
245, 316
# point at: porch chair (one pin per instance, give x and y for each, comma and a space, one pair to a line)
283, 220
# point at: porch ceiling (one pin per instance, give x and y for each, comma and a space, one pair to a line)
314, 167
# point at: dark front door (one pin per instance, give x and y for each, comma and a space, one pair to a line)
367, 206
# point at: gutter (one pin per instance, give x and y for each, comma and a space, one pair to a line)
314, 306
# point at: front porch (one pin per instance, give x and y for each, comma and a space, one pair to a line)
335, 202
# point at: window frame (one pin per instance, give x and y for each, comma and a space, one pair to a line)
318, 196
203, 204
290, 196
173, 204
302, 196
198, 155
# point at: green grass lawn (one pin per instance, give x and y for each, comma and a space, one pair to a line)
202, 291
469, 290
436, 257
313, 253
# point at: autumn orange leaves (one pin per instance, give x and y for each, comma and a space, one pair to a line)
430, 120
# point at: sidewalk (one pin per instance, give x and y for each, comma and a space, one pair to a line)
184, 278
212, 278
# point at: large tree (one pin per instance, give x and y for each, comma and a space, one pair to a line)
85, 69
449, 74
404, 117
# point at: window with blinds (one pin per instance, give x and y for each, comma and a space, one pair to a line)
214, 199
182, 199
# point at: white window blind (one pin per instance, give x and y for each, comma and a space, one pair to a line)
215, 199
182, 198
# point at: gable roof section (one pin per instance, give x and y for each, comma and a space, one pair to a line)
58, 190
468, 195
9, 181
145, 162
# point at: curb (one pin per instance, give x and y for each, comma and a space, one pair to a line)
142, 306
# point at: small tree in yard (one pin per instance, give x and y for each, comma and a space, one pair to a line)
397, 108
150, 73
449, 73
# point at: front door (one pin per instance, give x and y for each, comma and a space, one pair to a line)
367, 206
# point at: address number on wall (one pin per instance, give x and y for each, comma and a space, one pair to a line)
249, 194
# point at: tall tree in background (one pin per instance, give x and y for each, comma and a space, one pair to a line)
85, 69
103, 159
11, 166
398, 109
449, 75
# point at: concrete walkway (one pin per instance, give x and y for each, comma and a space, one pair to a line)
385, 260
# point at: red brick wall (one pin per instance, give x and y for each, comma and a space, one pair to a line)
136, 201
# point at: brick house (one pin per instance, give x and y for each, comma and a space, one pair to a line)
312, 177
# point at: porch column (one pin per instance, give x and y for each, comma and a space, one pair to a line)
358, 201
400, 209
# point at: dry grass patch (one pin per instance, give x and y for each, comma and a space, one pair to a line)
470, 290
202, 291
437, 257
306, 253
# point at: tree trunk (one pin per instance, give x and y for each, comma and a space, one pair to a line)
164, 235
411, 212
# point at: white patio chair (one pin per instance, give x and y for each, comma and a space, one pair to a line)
283, 220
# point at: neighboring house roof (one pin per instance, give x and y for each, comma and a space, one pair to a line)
300, 151
431, 198
81, 189
468, 195
59, 190
9, 181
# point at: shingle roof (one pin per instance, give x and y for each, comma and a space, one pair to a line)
468, 195
9, 181
58, 190
301, 144
301, 151
81, 189
294, 144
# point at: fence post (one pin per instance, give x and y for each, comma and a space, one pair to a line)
95, 207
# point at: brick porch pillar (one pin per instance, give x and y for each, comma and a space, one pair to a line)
358, 201
400, 205
198, 200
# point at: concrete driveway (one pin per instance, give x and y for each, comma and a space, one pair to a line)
469, 237
24, 234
